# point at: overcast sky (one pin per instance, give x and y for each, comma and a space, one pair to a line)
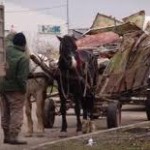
83, 12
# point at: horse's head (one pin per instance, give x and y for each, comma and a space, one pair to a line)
67, 51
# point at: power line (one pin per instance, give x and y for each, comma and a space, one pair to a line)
37, 9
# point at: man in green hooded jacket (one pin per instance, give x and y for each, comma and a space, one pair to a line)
13, 88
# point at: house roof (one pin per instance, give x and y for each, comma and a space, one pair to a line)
77, 33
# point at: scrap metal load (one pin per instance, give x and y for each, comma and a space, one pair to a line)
129, 69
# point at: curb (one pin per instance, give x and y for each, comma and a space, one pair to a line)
94, 133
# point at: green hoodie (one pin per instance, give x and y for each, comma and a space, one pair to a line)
17, 70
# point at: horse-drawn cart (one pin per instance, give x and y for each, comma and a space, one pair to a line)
124, 80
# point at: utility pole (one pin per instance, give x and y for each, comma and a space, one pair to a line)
67, 16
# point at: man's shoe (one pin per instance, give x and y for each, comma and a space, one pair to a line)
17, 142
6, 136
13, 139
6, 141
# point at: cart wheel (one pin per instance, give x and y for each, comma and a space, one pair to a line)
113, 115
96, 116
49, 113
147, 108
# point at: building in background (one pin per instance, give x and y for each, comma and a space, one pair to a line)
40, 29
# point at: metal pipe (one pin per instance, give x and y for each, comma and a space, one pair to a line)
68, 16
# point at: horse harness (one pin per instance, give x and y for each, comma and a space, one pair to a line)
80, 76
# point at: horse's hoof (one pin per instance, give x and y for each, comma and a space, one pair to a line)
85, 126
92, 126
39, 134
28, 134
63, 134
79, 133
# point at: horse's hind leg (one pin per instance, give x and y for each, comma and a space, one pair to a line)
85, 122
28, 109
84, 109
90, 109
40, 112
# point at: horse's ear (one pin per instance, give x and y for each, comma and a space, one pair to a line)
74, 38
59, 38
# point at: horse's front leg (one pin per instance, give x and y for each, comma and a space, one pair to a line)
78, 113
63, 113
28, 109
90, 109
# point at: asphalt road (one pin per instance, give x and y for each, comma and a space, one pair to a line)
130, 114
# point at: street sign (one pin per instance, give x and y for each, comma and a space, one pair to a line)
49, 29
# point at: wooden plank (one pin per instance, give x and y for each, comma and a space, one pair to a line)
140, 76
113, 85
145, 83
130, 78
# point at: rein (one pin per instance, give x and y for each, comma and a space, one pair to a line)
86, 85
86, 78
61, 82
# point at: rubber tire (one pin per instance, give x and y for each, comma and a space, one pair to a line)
113, 115
49, 113
147, 108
